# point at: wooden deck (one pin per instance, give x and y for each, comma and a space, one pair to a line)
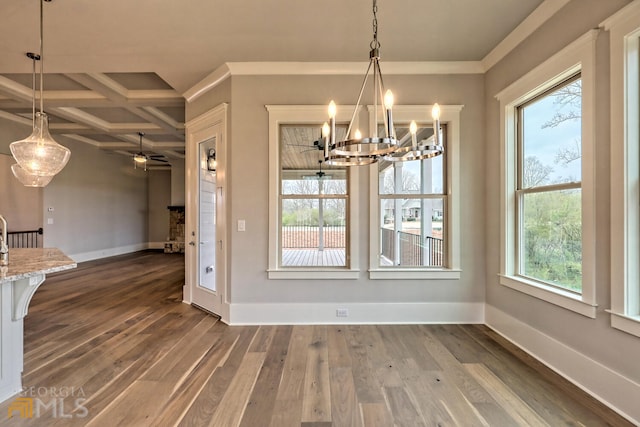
115, 334
313, 258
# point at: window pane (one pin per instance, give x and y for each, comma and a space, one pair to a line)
551, 137
313, 232
412, 177
412, 232
552, 241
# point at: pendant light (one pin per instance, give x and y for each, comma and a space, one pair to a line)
357, 150
140, 159
39, 154
27, 179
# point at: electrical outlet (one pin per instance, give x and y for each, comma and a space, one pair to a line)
342, 312
242, 225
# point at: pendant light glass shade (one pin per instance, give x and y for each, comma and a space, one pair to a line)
29, 180
39, 154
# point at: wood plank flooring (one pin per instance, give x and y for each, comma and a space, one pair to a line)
111, 344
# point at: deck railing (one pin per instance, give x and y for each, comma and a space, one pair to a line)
25, 239
411, 249
308, 236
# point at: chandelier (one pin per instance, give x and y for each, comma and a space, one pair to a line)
355, 149
39, 155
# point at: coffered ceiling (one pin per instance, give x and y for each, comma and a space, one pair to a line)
117, 67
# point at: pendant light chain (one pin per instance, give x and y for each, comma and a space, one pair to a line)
41, 55
375, 44
33, 89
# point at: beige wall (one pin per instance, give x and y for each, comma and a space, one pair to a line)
21, 206
249, 191
160, 196
591, 337
100, 204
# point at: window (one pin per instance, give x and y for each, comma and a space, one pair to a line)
310, 207
547, 204
548, 193
314, 226
414, 218
625, 169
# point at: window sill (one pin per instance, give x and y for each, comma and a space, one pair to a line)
625, 323
413, 274
550, 294
313, 274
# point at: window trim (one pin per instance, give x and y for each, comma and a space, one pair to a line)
624, 42
577, 57
306, 114
449, 116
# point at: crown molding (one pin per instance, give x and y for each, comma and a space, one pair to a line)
326, 69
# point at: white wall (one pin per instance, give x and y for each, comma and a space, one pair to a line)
588, 351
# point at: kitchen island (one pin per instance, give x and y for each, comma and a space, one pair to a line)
19, 281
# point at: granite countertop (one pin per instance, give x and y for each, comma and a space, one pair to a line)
25, 263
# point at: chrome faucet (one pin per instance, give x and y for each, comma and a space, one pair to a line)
4, 244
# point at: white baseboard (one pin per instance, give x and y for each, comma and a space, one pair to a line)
358, 313
614, 390
105, 253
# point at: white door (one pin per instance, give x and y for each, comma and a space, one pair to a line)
205, 253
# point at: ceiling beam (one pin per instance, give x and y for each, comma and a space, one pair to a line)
118, 94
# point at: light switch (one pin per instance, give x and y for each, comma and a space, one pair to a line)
241, 225
49, 220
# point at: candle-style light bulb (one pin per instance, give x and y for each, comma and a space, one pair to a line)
388, 99
435, 114
357, 135
413, 128
332, 110
388, 105
326, 130
332, 123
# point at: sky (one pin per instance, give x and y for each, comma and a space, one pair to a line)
544, 143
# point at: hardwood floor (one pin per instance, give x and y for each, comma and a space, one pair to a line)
111, 344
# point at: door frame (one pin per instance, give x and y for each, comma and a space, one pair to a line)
197, 130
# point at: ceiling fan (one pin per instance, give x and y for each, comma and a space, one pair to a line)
140, 158
320, 175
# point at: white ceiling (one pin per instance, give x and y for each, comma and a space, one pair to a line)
121, 66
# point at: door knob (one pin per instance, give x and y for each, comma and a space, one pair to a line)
192, 244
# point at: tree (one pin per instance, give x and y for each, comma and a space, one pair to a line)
534, 172
568, 98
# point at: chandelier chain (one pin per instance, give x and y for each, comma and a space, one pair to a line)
375, 44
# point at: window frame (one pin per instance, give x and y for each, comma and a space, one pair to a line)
305, 115
624, 42
449, 117
577, 57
